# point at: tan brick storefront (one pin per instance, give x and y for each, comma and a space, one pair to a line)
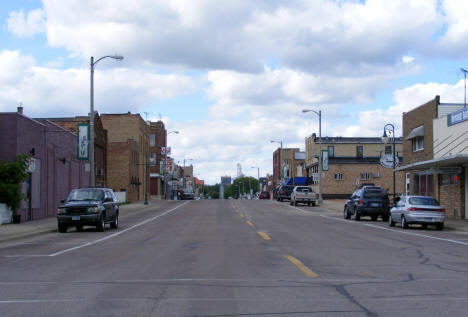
128, 140
353, 162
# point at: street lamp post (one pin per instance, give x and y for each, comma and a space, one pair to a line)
281, 152
165, 165
319, 113
91, 116
394, 158
258, 177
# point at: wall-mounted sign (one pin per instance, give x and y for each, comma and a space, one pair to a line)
166, 150
31, 165
83, 142
324, 160
387, 161
457, 117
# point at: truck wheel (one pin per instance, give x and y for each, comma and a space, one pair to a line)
313, 203
101, 225
357, 216
62, 228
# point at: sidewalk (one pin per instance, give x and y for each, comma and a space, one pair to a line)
336, 207
12, 231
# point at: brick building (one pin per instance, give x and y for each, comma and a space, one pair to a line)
436, 154
128, 153
352, 162
287, 163
100, 143
54, 170
157, 149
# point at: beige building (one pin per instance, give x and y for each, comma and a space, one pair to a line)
351, 163
128, 154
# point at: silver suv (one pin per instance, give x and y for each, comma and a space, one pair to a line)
88, 207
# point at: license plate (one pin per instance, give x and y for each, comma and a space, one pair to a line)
375, 204
306, 199
75, 217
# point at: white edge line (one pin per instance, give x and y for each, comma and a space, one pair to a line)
398, 231
117, 233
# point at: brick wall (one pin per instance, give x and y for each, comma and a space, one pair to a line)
422, 115
120, 128
345, 187
123, 160
451, 199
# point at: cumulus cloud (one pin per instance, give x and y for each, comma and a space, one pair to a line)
26, 26
453, 42
314, 36
46, 91
371, 122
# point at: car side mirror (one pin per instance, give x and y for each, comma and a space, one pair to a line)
107, 199
62, 201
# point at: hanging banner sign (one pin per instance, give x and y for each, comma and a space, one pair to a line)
83, 142
324, 160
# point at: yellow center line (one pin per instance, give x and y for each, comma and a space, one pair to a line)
301, 266
264, 235
250, 223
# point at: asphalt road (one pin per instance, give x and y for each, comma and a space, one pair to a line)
237, 258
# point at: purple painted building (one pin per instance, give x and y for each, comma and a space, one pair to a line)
55, 169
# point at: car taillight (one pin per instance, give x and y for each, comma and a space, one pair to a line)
361, 202
440, 210
414, 209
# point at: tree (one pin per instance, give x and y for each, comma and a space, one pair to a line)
11, 176
243, 185
212, 191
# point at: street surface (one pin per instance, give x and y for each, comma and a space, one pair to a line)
237, 258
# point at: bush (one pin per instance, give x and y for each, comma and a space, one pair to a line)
11, 176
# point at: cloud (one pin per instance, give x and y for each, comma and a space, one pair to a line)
344, 37
26, 26
371, 122
46, 91
453, 42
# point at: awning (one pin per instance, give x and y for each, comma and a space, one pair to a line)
419, 131
297, 181
441, 163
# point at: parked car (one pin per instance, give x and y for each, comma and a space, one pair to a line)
264, 195
423, 210
368, 201
284, 192
88, 207
303, 195
188, 194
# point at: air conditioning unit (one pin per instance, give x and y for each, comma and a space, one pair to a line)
376, 175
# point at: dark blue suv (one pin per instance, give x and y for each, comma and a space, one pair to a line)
88, 207
368, 201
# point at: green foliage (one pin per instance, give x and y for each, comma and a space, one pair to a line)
228, 192
242, 185
11, 176
212, 191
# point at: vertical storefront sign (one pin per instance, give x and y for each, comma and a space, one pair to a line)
83, 142
324, 160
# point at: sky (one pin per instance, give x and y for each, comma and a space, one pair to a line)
231, 76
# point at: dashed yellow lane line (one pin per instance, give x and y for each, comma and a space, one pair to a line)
301, 266
264, 235
242, 215
250, 223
